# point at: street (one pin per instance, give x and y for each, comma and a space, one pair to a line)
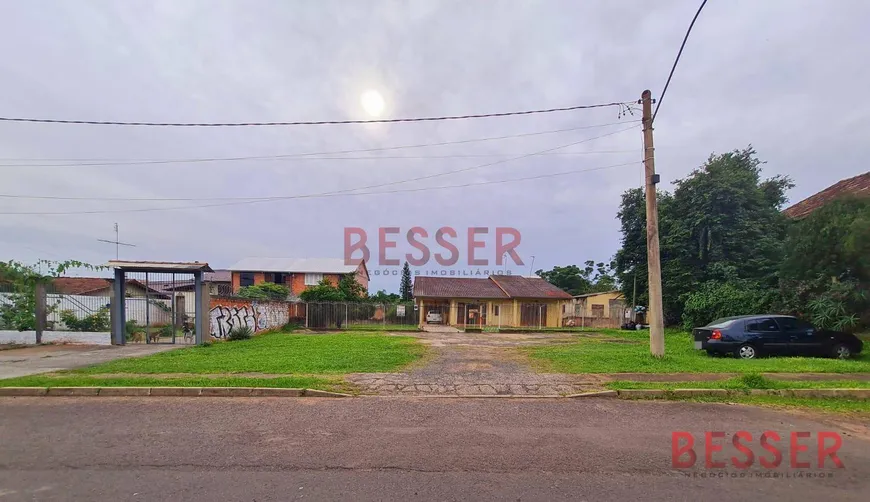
394, 448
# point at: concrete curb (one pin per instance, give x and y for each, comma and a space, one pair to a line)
810, 393
167, 392
601, 393
282, 392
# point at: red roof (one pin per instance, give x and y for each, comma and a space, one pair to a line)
496, 286
79, 285
858, 186
456, 287
528, 287
83, 285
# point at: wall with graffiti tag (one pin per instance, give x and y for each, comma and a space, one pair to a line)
228, 313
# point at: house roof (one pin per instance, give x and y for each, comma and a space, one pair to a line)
528, 287
79, 285
218, 276
302, 265
84, 285
598, 293
159, 266
494, 286
858, 186
456, 287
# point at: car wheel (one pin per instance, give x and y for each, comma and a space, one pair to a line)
842, 351
747, 352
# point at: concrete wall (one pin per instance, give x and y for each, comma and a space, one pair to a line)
228, 313
29, 337
583, 306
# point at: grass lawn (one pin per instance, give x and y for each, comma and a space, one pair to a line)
745, 382
621, 351
68, 380
281, 353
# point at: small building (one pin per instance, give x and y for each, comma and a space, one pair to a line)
605, 309
495, 301
98, 286
296, 274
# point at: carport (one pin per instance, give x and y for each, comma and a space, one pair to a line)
119, 305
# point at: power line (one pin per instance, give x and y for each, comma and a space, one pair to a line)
332, 194
621, 105
677, 60
377, 185
290, 156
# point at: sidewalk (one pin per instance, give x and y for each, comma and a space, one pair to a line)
47, 358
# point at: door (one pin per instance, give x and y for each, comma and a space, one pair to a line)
766, 335
802, 338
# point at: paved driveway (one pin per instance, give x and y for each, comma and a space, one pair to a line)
46, 358
477, 364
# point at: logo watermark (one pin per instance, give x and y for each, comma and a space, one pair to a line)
800, 447
482, 246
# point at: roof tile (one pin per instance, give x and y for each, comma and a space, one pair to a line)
858, 186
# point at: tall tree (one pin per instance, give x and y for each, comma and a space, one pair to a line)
722, 223
405, 288
594, 277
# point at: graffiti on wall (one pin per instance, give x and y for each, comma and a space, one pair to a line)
258, 316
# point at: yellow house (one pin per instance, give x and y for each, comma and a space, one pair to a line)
496, 301
604, 305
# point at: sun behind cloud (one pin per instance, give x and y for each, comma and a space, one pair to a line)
372, 102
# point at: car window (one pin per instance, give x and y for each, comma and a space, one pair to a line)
788, 323
762, 325
720, 323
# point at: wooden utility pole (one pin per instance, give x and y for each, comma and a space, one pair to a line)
655, 313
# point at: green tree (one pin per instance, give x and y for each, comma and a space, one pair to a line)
722, 223
405, 288
594, 277
19, 311
265, 291
350, 289
826, 271
324, 291
383, 297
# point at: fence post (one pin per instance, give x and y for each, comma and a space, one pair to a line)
306, 314
40, 311
345, 315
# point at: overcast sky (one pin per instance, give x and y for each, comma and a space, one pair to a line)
787, 76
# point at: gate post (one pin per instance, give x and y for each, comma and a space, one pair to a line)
40, 311
119, 304
199, 326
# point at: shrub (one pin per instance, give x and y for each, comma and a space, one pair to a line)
98, 321
713, 300
265, 291
166, 331
240, 333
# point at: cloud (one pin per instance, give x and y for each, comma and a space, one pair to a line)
783, 75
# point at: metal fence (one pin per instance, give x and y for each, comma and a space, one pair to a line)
355, 315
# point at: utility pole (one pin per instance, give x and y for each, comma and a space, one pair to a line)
655, 313
117, 243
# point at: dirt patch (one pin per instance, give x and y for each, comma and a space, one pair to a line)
43, 350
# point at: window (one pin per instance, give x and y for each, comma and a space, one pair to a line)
495, 310
246, 279
792, 324
597, 310
313, 279
278, 278
767, 325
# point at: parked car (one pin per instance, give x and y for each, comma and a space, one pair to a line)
751, 336
433, 317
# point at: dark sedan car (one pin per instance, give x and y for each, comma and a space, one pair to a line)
748, 337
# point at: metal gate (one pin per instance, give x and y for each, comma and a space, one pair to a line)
160, 308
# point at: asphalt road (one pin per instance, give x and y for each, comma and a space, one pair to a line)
395, 449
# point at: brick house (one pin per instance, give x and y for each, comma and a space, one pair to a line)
296, 274
498, 300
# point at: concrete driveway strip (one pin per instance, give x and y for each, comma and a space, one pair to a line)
393, 448
47, 358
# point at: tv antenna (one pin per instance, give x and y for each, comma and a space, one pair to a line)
117, 243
